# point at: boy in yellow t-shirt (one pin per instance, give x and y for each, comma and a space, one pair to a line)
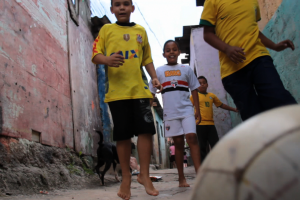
124, 49
247, 70
206, 130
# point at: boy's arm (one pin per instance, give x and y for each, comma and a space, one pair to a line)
151, 71
236, 54
196, 105
115, 60
151, 100
276, 47
226, 107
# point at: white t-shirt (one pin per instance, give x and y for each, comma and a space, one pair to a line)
176, 81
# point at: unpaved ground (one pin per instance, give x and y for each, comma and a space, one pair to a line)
168, 188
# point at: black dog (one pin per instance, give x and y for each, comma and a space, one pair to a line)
107, 154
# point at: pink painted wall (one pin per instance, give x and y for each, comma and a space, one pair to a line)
206, 61
35, 89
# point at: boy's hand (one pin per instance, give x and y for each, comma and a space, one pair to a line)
236, 110
198, 118
283, 45
151, 102
236, 54
115, 60
157, 85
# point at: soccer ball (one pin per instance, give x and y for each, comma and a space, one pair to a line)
258, 160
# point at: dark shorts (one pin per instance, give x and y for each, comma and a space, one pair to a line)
131, 117
172, 158
185, 161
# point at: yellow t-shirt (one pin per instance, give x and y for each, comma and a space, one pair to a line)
206, 108
235, 24
128, 81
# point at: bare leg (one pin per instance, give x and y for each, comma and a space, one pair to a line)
124, 150
192, 141
144, 146
179, 148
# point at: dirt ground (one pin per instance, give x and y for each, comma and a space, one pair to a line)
92, 189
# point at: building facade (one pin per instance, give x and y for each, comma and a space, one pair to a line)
48, 82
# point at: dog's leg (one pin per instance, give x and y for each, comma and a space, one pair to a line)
116, 173
100, 164
107, 166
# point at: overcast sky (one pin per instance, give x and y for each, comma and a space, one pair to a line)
162, 19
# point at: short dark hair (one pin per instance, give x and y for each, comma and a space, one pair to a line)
202, 77
112, 2
169, 42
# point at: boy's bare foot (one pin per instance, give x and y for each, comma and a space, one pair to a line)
147, 183
124, 191
183, 183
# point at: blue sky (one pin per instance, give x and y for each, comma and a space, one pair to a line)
162, 19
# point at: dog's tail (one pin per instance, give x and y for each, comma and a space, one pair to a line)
101, 137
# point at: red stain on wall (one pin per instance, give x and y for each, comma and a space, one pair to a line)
34, 73
93, 105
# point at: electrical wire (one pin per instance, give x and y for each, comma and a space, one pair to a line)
148, 25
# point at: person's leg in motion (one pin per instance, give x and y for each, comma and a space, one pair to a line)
124, 151
213, 137
144, 146
270, 89
241, 88
179, 148
191, 139
202, 140
122, 116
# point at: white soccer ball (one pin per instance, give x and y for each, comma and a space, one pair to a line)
258, 160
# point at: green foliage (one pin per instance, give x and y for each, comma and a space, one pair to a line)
87, 170
73, 170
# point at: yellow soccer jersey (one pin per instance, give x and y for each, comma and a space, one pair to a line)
128, 81
206, 108
235, 23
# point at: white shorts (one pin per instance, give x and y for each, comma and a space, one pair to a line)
178, 127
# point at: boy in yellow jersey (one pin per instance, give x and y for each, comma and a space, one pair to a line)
247, 70
206, 130
124, 48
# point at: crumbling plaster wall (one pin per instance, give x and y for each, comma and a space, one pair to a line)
267, 10
48, 83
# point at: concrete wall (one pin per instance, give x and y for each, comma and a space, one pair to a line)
267, 10
285, 24
205, 60
44, 58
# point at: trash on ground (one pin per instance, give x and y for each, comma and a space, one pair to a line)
44, 192
135, 172
155, 178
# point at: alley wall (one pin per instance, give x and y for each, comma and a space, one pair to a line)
285, 24
48, 83
205, 60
